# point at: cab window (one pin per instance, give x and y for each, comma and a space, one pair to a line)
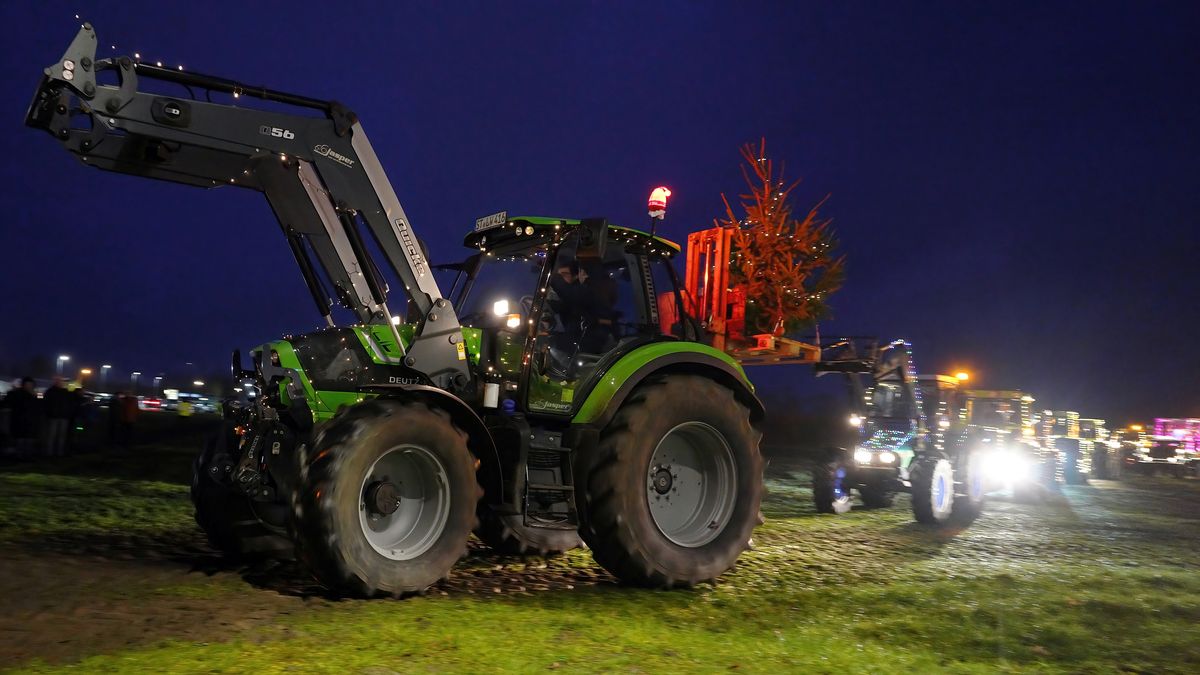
595, 305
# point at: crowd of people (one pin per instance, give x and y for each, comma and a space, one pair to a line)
50, 423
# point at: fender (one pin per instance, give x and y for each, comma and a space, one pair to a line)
479, 440
691, 358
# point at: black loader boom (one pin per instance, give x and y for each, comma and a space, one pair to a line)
318, 171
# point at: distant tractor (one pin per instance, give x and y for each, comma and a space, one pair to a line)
1062, 432
1095, 440
894, 448
1173, 449
999, 426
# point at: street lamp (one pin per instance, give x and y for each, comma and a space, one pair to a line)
198, 383
84, 372
962, 376
62, 358
157, 379
104, 375
133, 380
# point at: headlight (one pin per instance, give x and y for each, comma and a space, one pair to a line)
887, 457
1005, 466
500, 308
855, 421
514, 321
862, 456
944, 424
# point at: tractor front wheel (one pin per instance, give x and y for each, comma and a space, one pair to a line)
669, 496
831, 485
932, 490
386, 499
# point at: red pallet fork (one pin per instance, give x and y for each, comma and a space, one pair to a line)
721, 307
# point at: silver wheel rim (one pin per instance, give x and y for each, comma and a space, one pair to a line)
422, 503
691, 484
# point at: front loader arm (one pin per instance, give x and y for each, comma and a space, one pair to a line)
315, 166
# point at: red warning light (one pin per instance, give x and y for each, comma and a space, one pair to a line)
658, 202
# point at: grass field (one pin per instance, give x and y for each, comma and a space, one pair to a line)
102, 569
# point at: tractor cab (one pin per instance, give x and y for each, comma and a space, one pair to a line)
552, 300
885, 401
890, 435
941, 399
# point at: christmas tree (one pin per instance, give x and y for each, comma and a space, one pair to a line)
785, 264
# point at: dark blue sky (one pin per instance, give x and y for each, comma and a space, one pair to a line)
1015, 185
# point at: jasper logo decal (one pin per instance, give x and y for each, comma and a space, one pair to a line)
326, 151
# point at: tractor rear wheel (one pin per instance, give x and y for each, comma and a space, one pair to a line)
386, 499
509, 534
932, 490
669, 496
831, 485
227, 516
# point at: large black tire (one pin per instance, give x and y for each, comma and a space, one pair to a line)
508, 534
831, 489
226, 516
677, 436
343, 532
971, 489
932, 490
876, 495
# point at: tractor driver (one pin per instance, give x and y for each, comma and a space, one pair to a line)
567, 303
584, 300
599, 299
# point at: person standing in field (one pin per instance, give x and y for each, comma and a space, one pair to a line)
114, 419
23, 404
58, 404
126, 418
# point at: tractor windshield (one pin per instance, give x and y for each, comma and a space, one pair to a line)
495, 290
1000, 413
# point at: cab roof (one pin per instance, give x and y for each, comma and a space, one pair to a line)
519, 232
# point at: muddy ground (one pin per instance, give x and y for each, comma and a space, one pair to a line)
98, 554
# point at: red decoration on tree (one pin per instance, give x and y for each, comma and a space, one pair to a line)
785, 264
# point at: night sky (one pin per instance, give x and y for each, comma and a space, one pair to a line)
1015, 185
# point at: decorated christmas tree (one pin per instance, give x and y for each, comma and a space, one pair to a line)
785, 264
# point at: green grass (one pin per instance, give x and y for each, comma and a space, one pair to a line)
35, 505
1106, 579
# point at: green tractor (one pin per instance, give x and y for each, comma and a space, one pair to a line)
557, 393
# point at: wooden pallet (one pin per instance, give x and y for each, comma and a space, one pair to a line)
772, 350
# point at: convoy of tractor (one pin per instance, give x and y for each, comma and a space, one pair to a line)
566, 389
